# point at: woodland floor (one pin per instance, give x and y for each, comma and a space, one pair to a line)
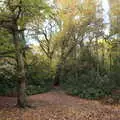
56, 105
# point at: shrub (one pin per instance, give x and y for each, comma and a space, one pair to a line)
7, 84
87, 83
39, 77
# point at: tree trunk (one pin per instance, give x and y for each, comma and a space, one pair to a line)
21, 94
59, 68
59, 71
58, 75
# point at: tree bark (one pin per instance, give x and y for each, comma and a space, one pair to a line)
21, 93
58, 75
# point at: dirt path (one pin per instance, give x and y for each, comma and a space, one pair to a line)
56, 105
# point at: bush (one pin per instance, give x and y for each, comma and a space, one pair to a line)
7, 84
87, 83
39, 77
32, 89
92, 93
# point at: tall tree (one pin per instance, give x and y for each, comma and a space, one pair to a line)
14, 16
78, 22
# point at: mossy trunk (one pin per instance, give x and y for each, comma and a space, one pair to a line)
21, 93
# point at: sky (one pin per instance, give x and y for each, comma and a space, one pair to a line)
106, 9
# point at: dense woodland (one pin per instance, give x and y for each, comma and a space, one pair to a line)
64, 43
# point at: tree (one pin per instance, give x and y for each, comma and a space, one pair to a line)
44, 33
14, 16
78, 24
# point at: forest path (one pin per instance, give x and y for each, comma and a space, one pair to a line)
56, 105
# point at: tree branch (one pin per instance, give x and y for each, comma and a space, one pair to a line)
7, 56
